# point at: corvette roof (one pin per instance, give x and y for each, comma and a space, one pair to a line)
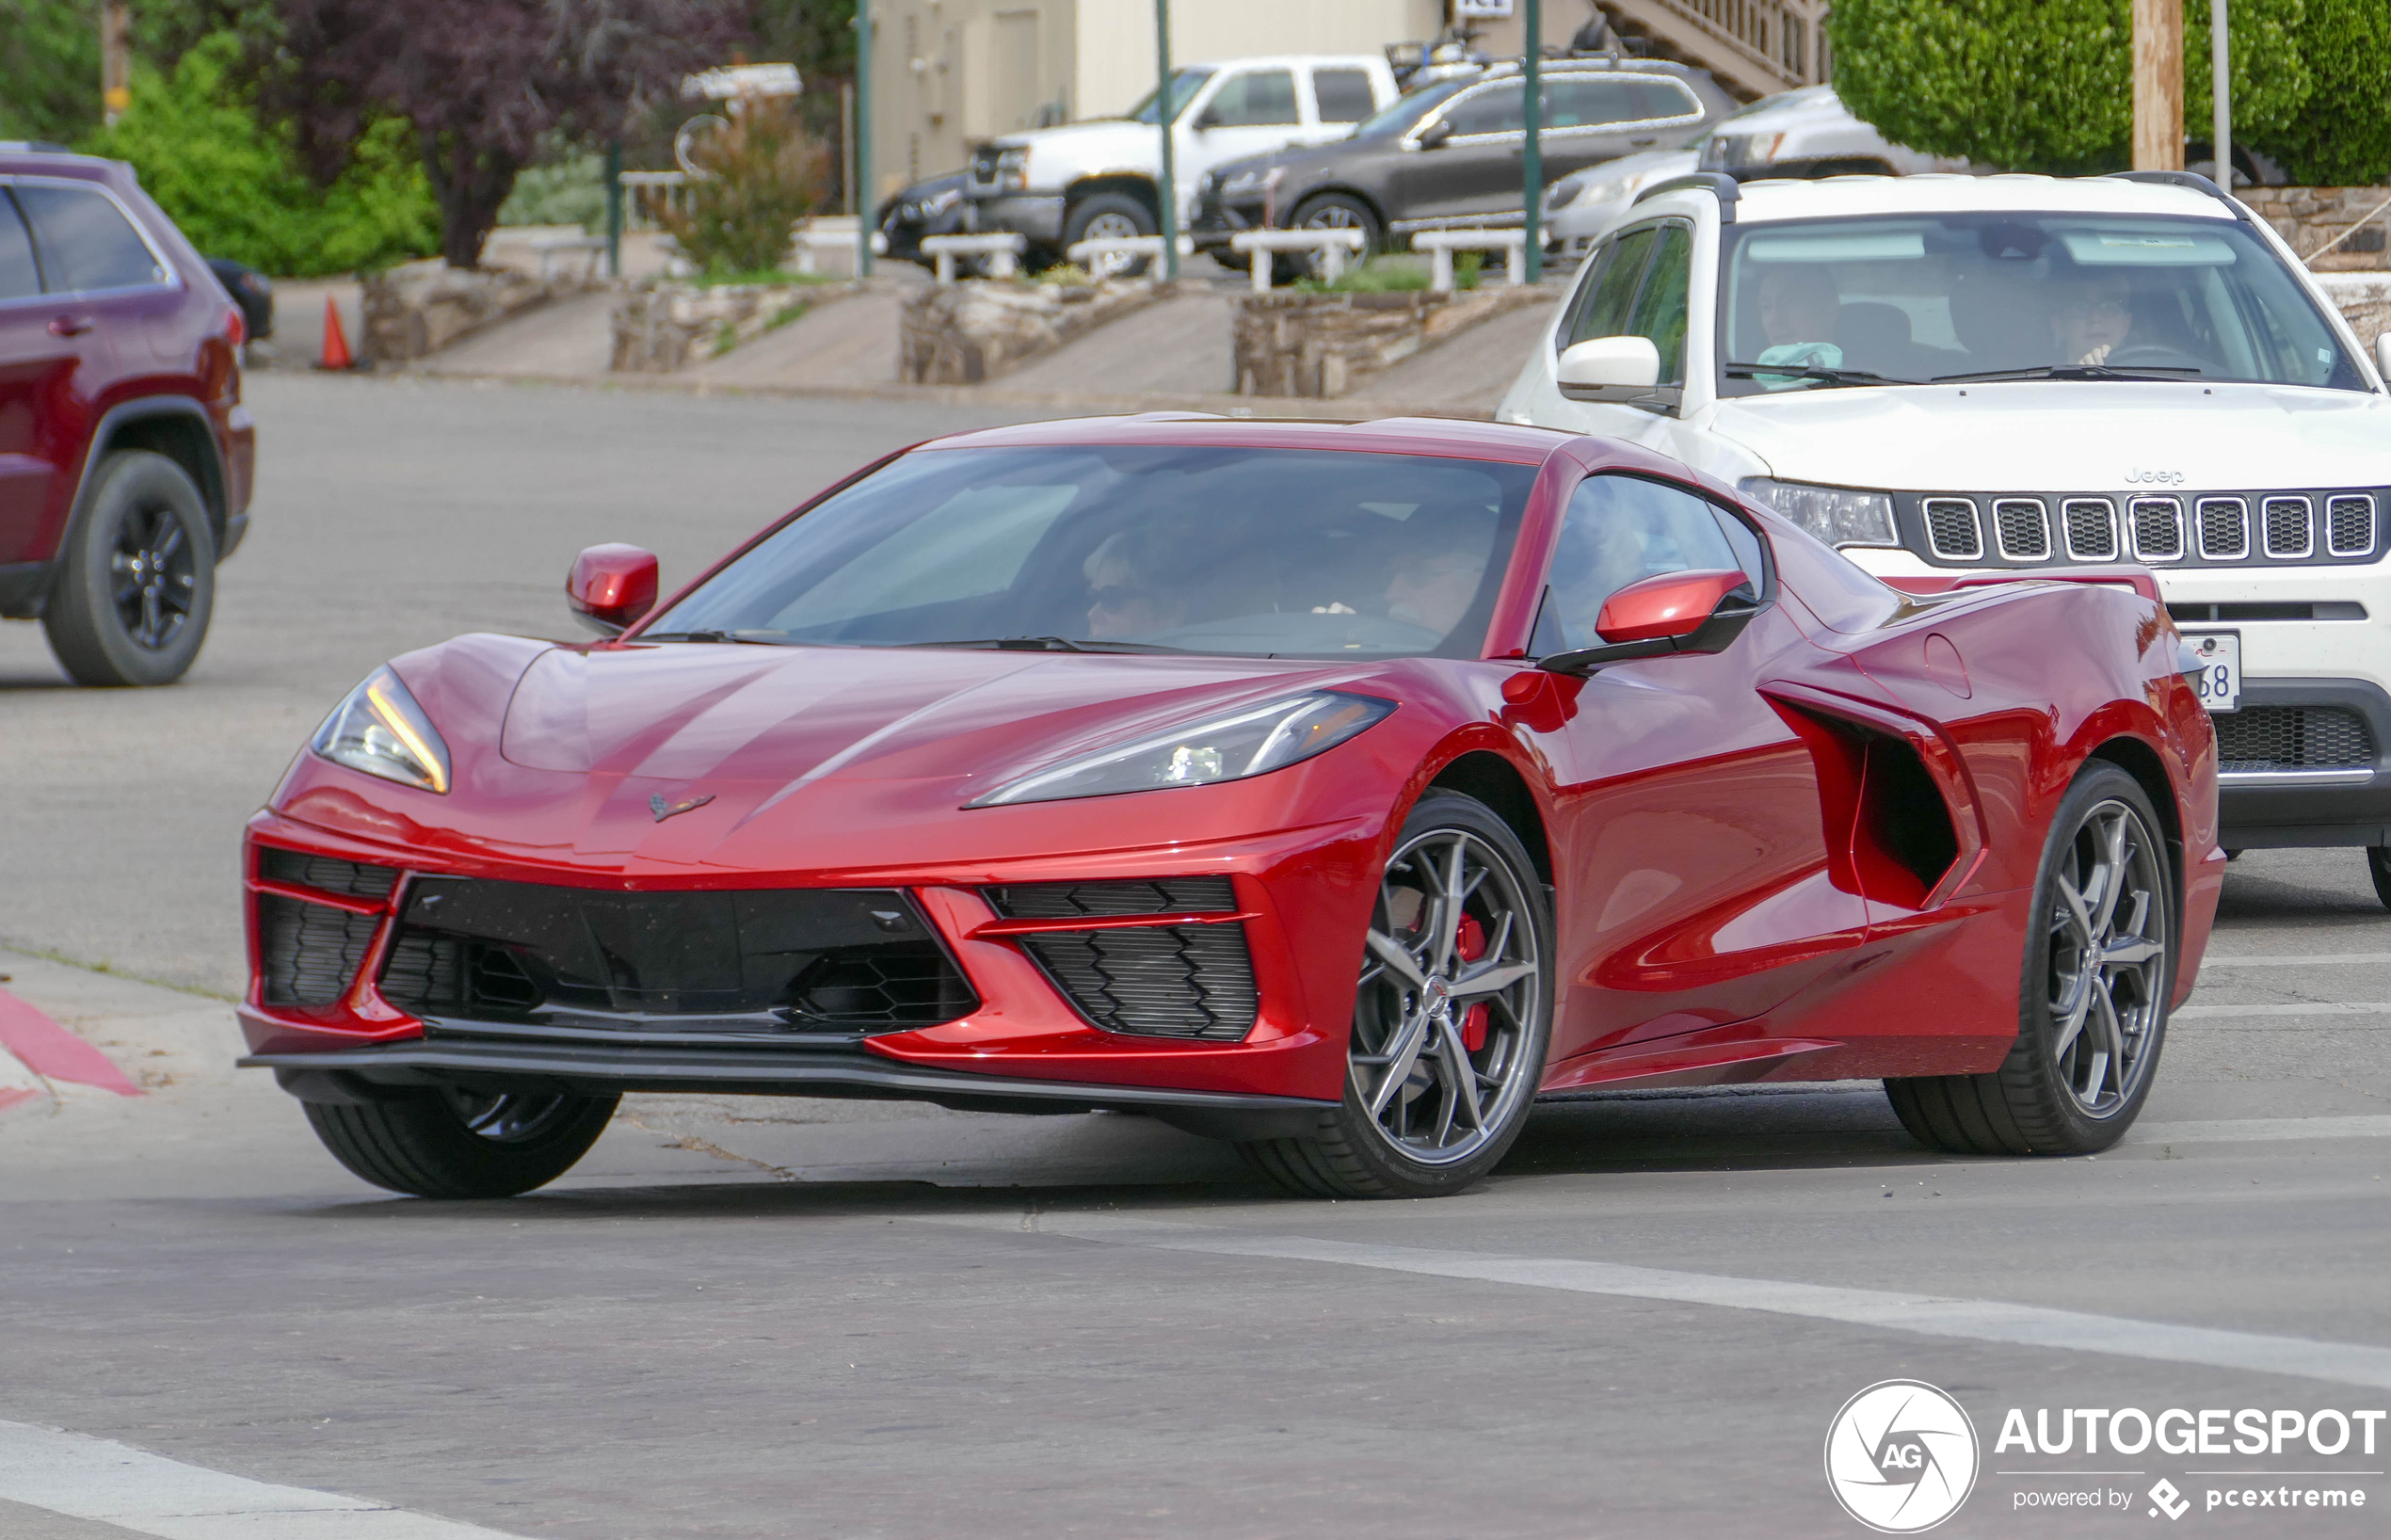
1467, 440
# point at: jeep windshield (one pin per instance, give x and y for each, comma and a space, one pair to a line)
1957, 298
1132, 549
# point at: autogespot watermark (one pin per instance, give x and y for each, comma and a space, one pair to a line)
1901, 1457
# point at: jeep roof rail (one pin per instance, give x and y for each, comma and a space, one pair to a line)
2192, 180
1730, 191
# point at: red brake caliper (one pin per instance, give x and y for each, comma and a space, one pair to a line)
1472, 944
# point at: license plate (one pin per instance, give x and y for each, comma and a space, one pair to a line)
2218, 680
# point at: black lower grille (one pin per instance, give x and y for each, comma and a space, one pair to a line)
2260, 738
773, 961
1156, 981
310, 953
324, 873
1075, 900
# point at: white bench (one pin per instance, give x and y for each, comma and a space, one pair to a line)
1442, 244
550, 248
1150, 246
1259, 246
1002, 250
810, 241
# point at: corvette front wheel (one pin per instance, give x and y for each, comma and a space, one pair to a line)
1451, 1021
460, 1143
2100, 963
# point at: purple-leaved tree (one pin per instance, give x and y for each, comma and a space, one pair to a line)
485, 82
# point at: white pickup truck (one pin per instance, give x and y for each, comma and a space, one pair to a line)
1098, 180
1948, 374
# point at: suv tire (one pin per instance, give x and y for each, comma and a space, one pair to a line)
137, 585
1108, 216
1338, 211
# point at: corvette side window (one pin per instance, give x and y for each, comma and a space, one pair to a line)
1622, 529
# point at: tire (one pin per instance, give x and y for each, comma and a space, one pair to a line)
1412, 1144
2061, 1092
1336, 211
1105, 216
137, 585
2379, 867
454, 1142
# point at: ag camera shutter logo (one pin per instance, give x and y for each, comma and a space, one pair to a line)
1901, 1456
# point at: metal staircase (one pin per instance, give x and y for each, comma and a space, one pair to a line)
1754, 47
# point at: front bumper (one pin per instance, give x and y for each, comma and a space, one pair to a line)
1038, 216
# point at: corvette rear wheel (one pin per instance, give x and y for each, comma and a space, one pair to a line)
1451, 1021
460, 1143
2100, 963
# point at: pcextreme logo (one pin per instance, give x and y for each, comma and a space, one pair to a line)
1901, 1456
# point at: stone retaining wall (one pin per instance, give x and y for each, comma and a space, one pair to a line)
2309, 218
2364, 299
663, 326
1291, 341
418, 308
968, 332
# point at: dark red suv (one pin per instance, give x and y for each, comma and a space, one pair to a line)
125, 455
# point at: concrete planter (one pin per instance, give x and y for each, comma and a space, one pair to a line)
663, 326
418, 308
2307, 217
1293, 343
964, 333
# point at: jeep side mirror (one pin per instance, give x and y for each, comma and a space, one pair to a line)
1435, 135
1700, 611
1610, 369
611, 588
2382, 356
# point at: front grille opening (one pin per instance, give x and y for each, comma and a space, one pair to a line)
2091, 529
2024, 535
2288, 531
324, 873
1950, 529
1156, 981
1086, 900
2225, 528
310, 953
884, 986
2350, 526
2262, 738
2158, 529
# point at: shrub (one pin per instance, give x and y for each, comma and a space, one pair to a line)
2344, 137
762, 174
233, 184
568, 189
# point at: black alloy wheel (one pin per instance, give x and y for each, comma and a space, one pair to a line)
137, 585
2100, 970
1338, 211
1452, 1019
2379, 867
454, 1143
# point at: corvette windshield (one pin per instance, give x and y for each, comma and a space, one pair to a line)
1133, 548
1873, 301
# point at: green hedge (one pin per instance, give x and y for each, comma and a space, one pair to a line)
234, 186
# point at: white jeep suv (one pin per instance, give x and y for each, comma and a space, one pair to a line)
1943, 375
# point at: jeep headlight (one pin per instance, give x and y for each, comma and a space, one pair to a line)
381, 731
1837, 515
1230, 747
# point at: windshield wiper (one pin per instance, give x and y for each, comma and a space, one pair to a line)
1813, 371
1050, 644
706, 637
2075, 371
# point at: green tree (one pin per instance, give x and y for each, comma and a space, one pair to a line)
2343, 138
2046, 84
50, 55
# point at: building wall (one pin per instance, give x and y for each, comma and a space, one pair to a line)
1115, 65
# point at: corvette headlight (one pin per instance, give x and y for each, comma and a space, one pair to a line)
1836, 515
381, 730
1251, 742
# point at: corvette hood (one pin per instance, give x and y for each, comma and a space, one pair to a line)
2066, 436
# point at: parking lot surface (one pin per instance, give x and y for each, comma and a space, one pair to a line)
748, 1318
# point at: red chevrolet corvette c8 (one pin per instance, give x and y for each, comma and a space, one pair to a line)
1334, 789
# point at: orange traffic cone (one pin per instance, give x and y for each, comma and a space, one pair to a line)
335, 340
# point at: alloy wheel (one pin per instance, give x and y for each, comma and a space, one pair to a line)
152, 576
1111, 227
2109, 949
1335, 217
507, 1118
1441, 1024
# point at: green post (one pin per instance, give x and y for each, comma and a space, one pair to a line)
1531, 153
1165, 106
613, 209
864, 202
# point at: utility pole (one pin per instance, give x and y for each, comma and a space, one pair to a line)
2159, 85
1532, 150
864, 202
2221, 92
116, 59
1164, 110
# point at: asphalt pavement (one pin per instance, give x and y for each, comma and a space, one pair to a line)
749, 1318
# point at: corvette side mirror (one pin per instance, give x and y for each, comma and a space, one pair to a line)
611, 587
1701, 611
1608, 369
1435, 135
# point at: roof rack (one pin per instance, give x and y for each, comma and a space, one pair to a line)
1730, 191
2192, 180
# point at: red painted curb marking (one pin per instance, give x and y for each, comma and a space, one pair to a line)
11, 1097
50, 1050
